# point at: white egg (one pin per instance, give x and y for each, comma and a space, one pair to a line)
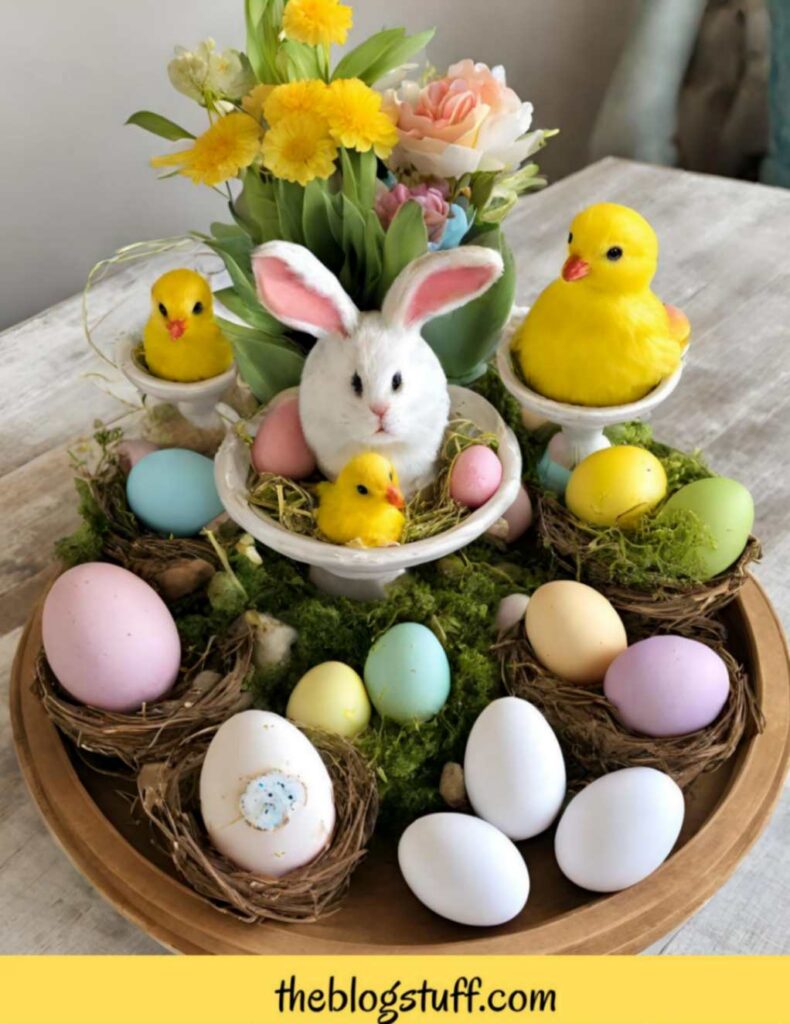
619, 829
463, 869
265, 794
514, 769
511, 612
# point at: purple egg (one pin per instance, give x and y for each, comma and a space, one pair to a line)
667, 686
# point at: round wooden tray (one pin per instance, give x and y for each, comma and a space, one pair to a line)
89, 815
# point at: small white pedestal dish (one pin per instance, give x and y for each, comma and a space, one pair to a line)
364, 573
582, 426
196, 401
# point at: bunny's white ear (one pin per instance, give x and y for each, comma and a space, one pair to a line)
296, 288
440, 282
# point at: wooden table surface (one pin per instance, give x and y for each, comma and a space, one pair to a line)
724, 246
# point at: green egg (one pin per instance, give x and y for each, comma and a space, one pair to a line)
727, 509
407, 674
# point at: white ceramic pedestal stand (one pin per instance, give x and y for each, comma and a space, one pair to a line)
197, 401
364, 573
582, 426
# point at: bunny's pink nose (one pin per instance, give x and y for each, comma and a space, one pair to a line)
380, 409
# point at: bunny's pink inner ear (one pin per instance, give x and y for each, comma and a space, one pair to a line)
288, 297
446, 288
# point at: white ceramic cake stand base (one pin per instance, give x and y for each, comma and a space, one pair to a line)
364, 573
197, 401
582, 426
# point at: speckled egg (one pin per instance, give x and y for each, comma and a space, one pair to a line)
407, 673
332, 697
575, 632
109, 638
616, 486
727, 510
265, 795
475, 476
667, 686
173, 492
280, 446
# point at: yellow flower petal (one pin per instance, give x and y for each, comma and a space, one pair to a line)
299, 148
294, 98
228, 146
254, 101
317, 22
356, 119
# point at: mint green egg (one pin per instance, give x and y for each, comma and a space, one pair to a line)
407, 674
727, 509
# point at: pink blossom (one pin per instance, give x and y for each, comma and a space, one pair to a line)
431, 198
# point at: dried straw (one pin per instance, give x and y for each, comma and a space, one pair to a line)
580, 551
207, 693
594, 740
169, 796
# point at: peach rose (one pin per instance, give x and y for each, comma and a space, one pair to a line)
467, 121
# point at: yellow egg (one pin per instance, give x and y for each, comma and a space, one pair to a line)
616, 486
575, 632
332, 697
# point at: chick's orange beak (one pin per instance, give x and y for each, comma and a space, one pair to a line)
394, 497
176, 328
574, 268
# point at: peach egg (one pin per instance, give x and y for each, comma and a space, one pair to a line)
280, 446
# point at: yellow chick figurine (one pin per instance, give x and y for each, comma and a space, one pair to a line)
598, 335
364, 504
182, 341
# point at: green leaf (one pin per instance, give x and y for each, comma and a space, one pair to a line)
374, 246
405, 240
297, 61
267, 364
158, 125
290, 198
255, 316
352, 274
398, 54
482, 186
264, 19
349, 176
357, 61
318, 226
256, 207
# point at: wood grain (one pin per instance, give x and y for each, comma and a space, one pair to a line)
723, 260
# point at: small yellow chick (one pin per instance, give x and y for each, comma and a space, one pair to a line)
598, 335
364, 504
182, 341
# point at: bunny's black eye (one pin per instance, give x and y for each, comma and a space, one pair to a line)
397, 380
198, 307
614, 253
162, 309
362, 489
570, 237
356, 384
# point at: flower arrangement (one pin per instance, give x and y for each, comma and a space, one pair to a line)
367, 178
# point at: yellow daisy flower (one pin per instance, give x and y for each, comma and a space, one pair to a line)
299, 148
317, 22
229, 145
254, 101
356, 119
305, 97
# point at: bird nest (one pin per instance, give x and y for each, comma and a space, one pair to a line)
428, 513
169, 796
208, 692
638, 571
596, 742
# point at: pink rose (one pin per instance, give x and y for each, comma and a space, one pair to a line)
431, 198
467, 121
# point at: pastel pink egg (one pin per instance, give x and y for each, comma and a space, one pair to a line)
279, 446
476, 475
519, 516
667, 686
130, 452
109, 638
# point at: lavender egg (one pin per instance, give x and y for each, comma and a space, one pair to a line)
667, 686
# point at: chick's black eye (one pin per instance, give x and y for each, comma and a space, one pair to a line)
570, 237
162, 309
356, 384
198, 307
397, 380
362, 489
614, 253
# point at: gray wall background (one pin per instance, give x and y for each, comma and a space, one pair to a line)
74, 183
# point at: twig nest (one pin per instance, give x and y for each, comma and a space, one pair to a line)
168, 793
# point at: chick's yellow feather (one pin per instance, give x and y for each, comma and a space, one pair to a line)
182, 341
363, 505
598, 335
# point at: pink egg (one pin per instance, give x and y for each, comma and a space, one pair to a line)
667, 686
130, 452
519, 516
476, 475
109, 638
280, 445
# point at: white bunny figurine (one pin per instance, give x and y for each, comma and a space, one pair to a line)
371, 382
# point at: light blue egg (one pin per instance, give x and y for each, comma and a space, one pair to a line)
407, 674
173, 492
552, 475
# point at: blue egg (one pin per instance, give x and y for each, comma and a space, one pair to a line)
407, 674
173, 492
552, 475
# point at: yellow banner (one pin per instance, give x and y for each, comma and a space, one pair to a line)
394, 990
